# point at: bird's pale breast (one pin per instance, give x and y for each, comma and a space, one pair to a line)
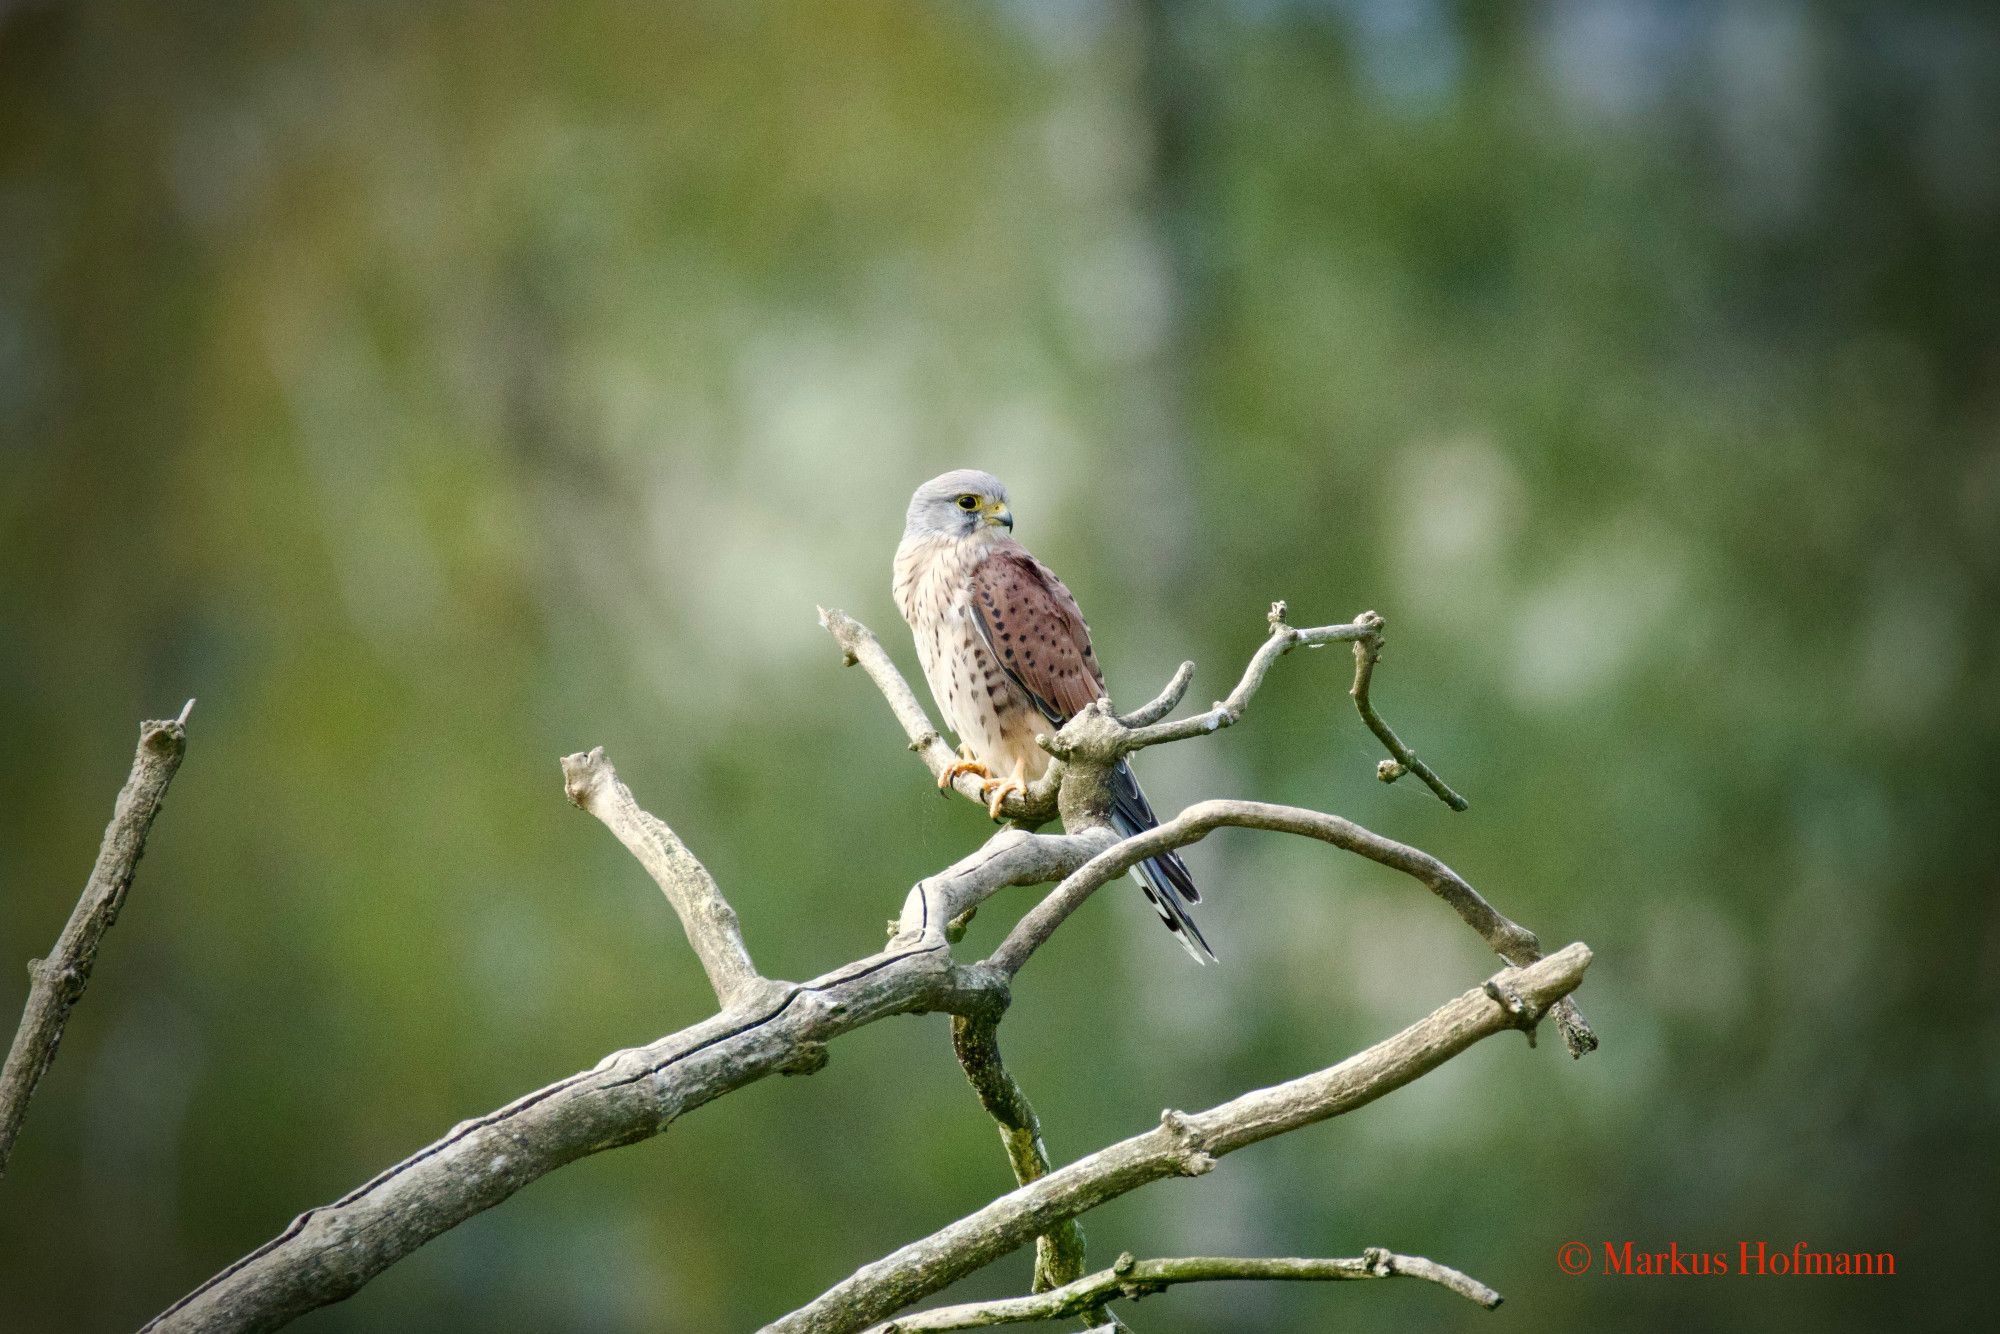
932, 590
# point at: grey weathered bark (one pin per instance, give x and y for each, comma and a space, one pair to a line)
1185, 1144
1132, 1279
327, 1254
706, 917
768, 1026
57, 983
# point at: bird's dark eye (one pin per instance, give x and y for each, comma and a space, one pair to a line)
968, 502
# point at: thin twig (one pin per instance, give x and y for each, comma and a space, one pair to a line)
1367, 652
1132, 1279
1364, 632
711, 925
1226, 713
58, 982
1163, 703
1184, 1144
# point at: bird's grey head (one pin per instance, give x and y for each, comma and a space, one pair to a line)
959, 504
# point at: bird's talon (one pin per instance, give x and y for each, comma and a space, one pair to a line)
957, 767
1001, 788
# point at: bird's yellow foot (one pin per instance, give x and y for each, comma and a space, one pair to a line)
997, 790
1000, 789
964, 764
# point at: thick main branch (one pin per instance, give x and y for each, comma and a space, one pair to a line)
329, 1253
57, 983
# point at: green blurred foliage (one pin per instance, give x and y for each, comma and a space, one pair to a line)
435, 389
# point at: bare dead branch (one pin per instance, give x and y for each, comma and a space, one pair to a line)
1367, 652
770, 1026
1132, 1279
952, 898
1196, 822
1059, 1252
329, 1253
1226, 713
1087, 738
1364, 632
1162, 704
858, 645
57, 983
1010, 857
712, 929
1509, 940
1182, 1145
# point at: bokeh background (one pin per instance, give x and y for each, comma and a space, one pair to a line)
435, 389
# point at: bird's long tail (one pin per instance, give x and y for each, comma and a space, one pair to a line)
1168, 884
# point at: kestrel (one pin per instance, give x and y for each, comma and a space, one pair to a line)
1007, 655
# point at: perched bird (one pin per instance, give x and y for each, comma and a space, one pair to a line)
1007, 655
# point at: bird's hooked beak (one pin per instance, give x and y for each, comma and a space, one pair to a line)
998, 513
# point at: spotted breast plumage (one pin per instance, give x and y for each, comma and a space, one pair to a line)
1008, 655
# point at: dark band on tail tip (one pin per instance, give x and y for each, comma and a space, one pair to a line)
1168, 883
